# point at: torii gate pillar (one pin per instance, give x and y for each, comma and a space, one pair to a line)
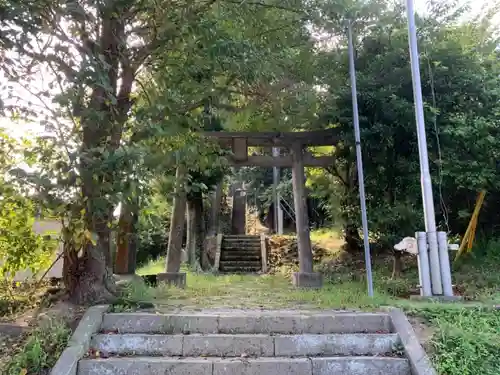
305, 277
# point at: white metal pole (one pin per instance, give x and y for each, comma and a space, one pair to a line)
275, 193
425, 176
359, 160
280, 215
444, 259
423, 265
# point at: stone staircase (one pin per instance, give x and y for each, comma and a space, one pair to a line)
240, 254
245, 343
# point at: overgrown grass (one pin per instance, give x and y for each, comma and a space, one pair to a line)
40, 351
253, 291
466, 340
153, 267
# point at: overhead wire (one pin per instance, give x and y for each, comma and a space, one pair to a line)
442, 202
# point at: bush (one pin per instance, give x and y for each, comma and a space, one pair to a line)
467, 341
20, 247
41, 350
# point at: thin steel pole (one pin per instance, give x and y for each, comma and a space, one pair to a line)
275, 193
425, 176
359, 161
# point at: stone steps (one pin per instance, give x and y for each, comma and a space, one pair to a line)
242, 237
252, 345
247, 323
245, 343
241, 247
242, 263
241, 254
245, 366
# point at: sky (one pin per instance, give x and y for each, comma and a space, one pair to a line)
22, 129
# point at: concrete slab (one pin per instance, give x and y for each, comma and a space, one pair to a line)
337, 344
247, 323
177, 279
309, 280
88, 325
263, 366
228, 345
133, 323
418, 359
67, 363
360, 366
139, 344
259, 323
160, 323
191, 323
143, 366
346, 323
79, 342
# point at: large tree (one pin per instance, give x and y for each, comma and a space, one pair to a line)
87, 55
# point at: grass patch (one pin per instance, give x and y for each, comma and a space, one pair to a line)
153, 267
40, 351
466, 341
252, 291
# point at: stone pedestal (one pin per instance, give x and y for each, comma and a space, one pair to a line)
312, 280
177, 279
417, 297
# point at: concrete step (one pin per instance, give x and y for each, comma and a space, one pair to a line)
245, 366
277, 322
239, 257
252, 345
241, 247
242, 242
241, 237
241, 263
239, 270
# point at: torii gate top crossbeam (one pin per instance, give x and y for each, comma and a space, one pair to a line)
326, 137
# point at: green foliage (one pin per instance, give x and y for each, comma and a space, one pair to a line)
20, 247
467, 340
41, 351
460, 81
152, 230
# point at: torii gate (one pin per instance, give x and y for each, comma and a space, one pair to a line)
295, 143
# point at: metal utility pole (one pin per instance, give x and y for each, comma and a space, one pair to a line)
359, 161
278, 212
425, 176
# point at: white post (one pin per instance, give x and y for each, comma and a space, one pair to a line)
423, 265
276, 197
280, 215
444, 259
425, 176
359, 161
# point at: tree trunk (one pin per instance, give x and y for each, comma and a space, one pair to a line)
352, 238
125, 260
200, 250
89, 277
174, 251
191, 233
213, 227
398, 265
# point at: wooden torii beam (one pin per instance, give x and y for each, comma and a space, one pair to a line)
240, 141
